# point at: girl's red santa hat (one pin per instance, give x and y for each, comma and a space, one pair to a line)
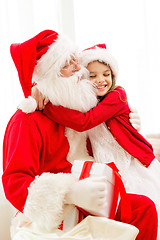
45, 52
99, 53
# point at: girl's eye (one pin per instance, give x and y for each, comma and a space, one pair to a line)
106, 75
93, 76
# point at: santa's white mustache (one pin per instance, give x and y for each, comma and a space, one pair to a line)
95, 85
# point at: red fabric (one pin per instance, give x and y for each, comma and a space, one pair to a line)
86, 170
120, 189
114, 111
25, 55
33, 144
101, 45
144, 216
89, 147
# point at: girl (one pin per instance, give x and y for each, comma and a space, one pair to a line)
122, 144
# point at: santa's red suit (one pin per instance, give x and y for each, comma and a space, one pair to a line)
37, 175
32, 145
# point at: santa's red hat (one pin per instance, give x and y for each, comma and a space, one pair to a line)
45, 52
100, 53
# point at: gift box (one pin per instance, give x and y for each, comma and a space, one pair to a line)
81, 169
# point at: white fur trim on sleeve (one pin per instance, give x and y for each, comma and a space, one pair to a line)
45, 201
28, 105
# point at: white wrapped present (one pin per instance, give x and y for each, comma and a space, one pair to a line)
91, 169
82, 169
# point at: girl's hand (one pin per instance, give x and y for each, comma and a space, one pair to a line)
40, 99
135, 119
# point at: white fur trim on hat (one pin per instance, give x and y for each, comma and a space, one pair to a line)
54, 59
45, 202
100, 54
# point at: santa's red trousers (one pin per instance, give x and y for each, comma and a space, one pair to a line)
144, 216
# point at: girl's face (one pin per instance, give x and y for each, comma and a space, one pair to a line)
101, 75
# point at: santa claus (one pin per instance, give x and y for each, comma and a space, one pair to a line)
38, 154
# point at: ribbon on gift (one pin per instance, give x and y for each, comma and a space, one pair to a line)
119, 188
126, 211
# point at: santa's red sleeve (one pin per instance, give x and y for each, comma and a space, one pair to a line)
114, 104
40, 197
21, 146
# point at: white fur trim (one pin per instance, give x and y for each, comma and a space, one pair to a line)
54, 59
28, 105
17, 222
45, 202
100, 54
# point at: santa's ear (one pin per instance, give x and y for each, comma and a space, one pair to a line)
28, 105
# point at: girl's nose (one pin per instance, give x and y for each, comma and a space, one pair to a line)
100, 79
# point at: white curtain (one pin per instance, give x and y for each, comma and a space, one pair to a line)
131, 30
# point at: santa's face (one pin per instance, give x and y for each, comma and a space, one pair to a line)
101, 75
70, 67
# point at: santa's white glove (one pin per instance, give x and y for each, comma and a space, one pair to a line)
89, 194
135, 119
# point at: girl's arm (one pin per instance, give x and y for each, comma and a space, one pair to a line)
114, 104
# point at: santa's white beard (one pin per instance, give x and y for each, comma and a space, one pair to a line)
70, 92
73, 93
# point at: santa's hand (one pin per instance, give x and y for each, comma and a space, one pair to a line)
135, 119
40, 99
89, 194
